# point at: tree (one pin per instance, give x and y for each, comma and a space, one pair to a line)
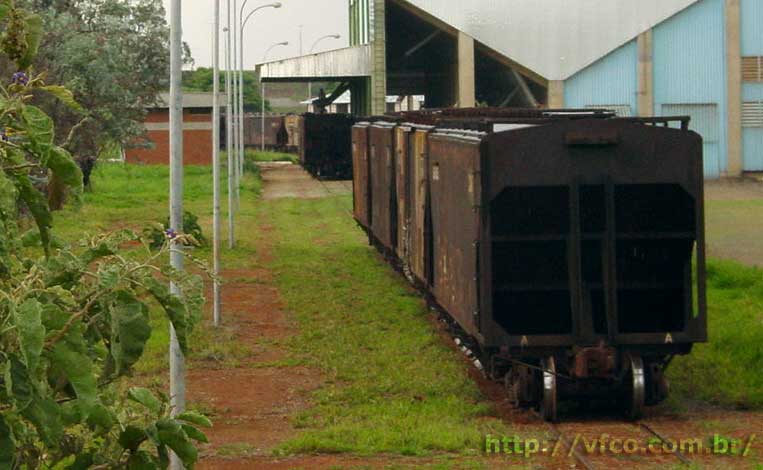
74, 321
114, 56
201, 80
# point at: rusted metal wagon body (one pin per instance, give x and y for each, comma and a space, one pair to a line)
568, 247
273, 131
292, 124
326, 146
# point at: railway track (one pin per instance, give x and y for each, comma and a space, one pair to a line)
663, 440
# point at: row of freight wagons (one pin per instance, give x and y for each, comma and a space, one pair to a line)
561, 243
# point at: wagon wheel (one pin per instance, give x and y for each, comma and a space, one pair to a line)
548, 405
635, 388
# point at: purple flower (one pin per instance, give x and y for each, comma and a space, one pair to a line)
171, 234
20, 78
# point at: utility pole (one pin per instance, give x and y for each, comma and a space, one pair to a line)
242, 146
229, 134
177, 361
216, 164
234, 60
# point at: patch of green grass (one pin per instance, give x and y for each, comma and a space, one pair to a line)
136, 196
725, 371
392, 385
733, 230
237, 449
251, 155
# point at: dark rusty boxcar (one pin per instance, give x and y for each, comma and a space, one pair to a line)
560, 243
571, 242
273, 130
381, 151
326, 147
361, 186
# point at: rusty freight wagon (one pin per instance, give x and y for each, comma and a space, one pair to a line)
274, 127
568, 248
326, 145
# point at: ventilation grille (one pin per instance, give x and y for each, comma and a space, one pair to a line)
752, 114
752, 69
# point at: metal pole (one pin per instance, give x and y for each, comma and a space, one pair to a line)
262, 117
241, 146
235, 106
177, 362
229, 134
216, 165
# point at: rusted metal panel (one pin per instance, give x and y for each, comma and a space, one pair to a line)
454, 172
420, 229
402, 191
273, 129
361, 185
326, 150
594, 240
381, 136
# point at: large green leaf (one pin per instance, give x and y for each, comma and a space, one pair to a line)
7, 447
175, 310
18, 383
172, 435
132, 437
145, 398
194, 417
64, 95
38, 206
39, 125
45, 414
130, 330
61, 163
28, 318
33, 37
68, 359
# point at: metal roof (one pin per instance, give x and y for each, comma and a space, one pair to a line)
191, 100
340, 63
553, 38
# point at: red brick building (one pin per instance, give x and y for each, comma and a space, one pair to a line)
197, 132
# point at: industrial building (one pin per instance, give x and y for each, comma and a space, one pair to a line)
343, 104
702, 58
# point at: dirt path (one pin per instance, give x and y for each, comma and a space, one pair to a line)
286, 180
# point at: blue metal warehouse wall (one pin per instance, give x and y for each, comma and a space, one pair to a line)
752, 46
690, 75
612, 81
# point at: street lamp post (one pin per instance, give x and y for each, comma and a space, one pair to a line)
312, 48
242, 25
262, 84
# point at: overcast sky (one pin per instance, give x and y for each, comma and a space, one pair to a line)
268, 26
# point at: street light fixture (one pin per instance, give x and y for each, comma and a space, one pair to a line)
242, 24
312, 48
262, 84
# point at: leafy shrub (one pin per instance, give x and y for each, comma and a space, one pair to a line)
157, 234
75, 321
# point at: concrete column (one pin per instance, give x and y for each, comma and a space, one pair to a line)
555, 94
645, 100
379, 52
466, 94
734, 81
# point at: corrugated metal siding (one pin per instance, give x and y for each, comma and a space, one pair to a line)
360, 22
752, 27
752, 93
706, 122
612, 81
690, 72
